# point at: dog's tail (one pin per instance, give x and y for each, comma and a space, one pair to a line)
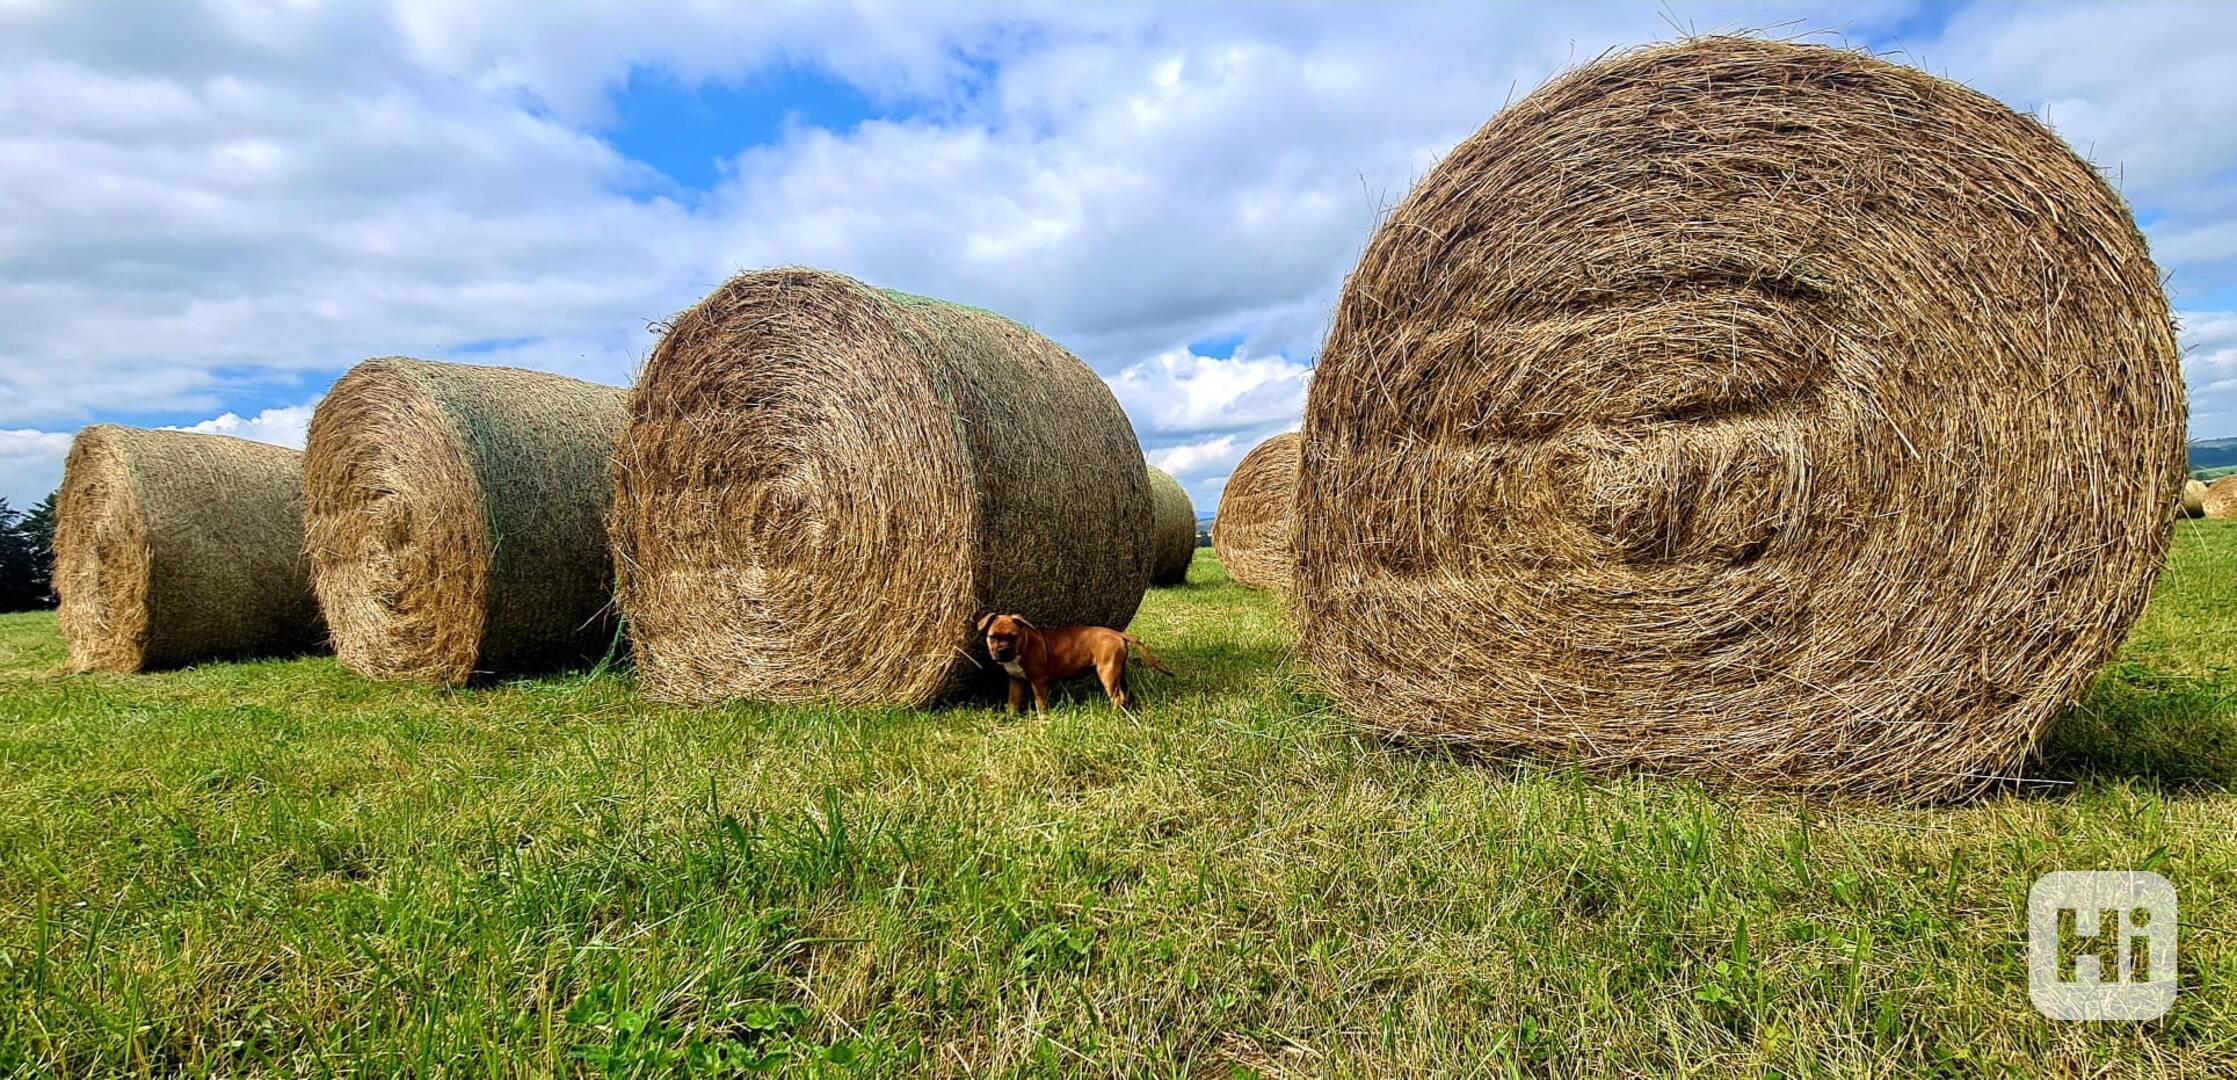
1146, 657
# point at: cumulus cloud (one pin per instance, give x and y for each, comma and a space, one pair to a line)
1178, 392
286, 426
30, 462
207, 208
1203, 466
250, 204
2210, 365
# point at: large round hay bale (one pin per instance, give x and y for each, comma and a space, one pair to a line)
456, 518
1250, 533
2220, 498
172, 547
1173, 531
1649, 428
822, 484
2194, 498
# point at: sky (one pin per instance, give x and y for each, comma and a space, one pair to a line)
209, 211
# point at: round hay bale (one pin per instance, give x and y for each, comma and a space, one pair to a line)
456, 518
172, 547
2220, 499
1251, 530
1649, 428
1173, 532
2194, 498
821, 484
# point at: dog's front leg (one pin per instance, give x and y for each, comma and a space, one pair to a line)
1040, 699
1017, 694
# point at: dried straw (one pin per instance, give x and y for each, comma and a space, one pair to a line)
1173, 537
1250, 532
456, 518
172, 547
1649, 426
2220, 499
2194, 498
821, 484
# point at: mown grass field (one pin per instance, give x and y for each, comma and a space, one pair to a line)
282, 869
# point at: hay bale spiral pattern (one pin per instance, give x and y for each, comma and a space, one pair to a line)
821, 484
456, 518
173, 547
1650, 427
1251, 531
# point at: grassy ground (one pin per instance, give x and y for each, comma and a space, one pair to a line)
279, 868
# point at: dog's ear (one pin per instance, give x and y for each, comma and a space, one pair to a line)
986, 619
1021, 621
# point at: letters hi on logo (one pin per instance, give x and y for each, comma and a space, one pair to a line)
2115, 957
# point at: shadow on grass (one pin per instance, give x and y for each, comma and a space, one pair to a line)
2138, 724
1198, 668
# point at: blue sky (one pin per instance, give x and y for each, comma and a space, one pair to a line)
208, 211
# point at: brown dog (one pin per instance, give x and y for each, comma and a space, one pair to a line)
1043, 658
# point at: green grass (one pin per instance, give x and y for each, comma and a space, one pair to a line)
282, 869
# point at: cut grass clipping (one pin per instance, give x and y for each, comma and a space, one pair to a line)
1173, 530
456, 519
821, 484
172, 547
1650, 426
1251, 530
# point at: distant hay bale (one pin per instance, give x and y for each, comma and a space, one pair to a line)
1649, 428
822, 483
1250, 533
2220, 499
172, 547
2194, 498
1174, 534
456, 518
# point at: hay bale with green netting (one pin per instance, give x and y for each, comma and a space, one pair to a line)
1251, 531
456, 519
821, 485
172, 547
1651, 426
2194, 498
1173, 539
2220, 499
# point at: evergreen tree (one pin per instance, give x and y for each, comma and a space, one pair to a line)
17, 582
26, 556
37, 528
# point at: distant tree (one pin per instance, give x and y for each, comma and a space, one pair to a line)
16, 582
26, 556
37, 528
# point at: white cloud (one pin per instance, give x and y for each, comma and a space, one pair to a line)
1180, 392
227, 202
2209, 341
1203, 465
1219, 453
287, 426
317, 201
30, 463
31, 460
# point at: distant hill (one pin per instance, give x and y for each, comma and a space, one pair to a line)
2213, 453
